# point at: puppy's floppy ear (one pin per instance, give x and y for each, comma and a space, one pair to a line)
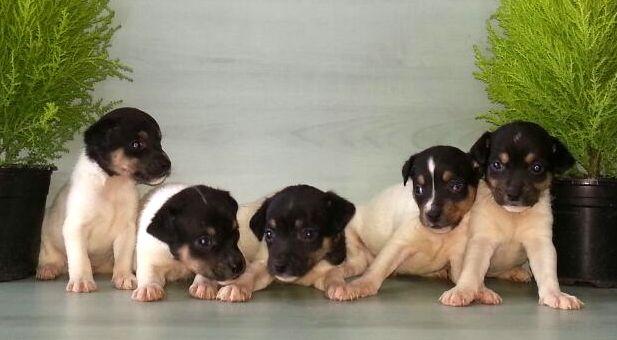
561, 158
408, 169
340, 212
163, 226
98, 134
480, 150
258, 221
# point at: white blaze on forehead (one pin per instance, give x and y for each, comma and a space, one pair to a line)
431, 171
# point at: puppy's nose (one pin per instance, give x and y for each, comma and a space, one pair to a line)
513, 193
165, 163
433, 214
280, 267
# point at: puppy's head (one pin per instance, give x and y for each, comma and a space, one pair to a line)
199, 226
520, 160
302, 225
445, 182
127, 142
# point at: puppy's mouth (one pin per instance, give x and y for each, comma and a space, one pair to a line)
515, 208
439, 229
156, 181
286, 279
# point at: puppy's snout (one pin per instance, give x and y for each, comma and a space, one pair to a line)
280, 267
434, 214
513, 193
163, 164
237, 266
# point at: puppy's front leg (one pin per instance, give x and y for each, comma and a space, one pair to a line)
543, 262
150, 283
256, 277
80, 269
123, 247
470, 284
389, 258
203, 288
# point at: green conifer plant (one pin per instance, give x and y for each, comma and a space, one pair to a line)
554, 62
53, 53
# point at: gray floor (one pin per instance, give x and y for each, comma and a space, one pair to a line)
405, 308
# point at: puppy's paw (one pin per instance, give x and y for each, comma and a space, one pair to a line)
203, 290
81, 285
517, 274
457, 297
148, 293
234, 293
487, 296
124, 281
47, 272
560, 300
352, 291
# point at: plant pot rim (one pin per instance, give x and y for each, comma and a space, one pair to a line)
14, 169
602, 181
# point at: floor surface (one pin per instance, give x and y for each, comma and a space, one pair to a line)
405, 308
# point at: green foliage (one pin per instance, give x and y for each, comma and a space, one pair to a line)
554, 62
52, 54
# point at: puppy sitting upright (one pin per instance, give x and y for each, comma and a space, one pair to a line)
301, 230
91, 224
512, 220
407, 240
186, 230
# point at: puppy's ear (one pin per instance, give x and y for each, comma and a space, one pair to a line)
98, 134
258, 221
480, 151
561, 158
163, 226
340, 212
408, 169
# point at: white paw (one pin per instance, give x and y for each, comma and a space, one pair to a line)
148, 293
457, 297
124, 281
487, 296
47, 272
203, 291
234, 293
351, 291
561, 300
81, 285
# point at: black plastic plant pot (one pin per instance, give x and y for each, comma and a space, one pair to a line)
585, 231
23, 193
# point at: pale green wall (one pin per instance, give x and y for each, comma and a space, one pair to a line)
257, 94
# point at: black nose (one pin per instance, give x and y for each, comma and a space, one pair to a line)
513, 193
165, 163
237, 267
280, 267
433, 214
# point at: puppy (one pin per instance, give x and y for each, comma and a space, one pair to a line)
183, 231
511, 221
425, 237
300, 236
91, 224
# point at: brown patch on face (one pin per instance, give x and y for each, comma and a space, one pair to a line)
454, 211
272, 223
299, 223
530, 158
319, 254
504, 157
143, 134
545, 184
493, 183
193, 264
421, 180
447, 175
210, 231
123, 165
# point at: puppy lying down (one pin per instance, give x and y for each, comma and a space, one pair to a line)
187, 231
91, 225
511, 221
426, 237
297, 237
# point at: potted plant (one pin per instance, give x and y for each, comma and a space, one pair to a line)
53, 53
555, 63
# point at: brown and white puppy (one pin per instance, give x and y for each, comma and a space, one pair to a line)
187, 231
91, 225
300, 231
511, 221
424, 237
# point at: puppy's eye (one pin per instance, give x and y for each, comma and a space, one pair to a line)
309, 234
497, 166
456, 186
204, 242
418, 190
269, 235
138, 145
537, 168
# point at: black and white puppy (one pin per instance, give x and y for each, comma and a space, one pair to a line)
512, 221
183, 231
301, 235
91, 225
